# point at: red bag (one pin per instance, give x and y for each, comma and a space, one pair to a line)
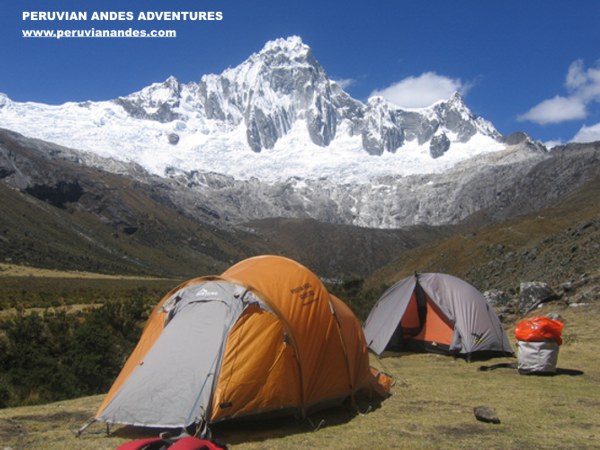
192, 443
186, 443
540, 328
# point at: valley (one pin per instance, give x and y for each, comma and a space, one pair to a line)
106, 206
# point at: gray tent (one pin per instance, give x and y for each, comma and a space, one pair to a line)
438, 313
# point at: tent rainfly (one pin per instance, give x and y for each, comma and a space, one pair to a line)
264, 337
437, 313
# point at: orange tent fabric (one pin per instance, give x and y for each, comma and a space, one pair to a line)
293, 348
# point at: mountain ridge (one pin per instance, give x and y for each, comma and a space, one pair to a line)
278, 102
275, 137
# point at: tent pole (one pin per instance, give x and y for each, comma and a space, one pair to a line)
85, 426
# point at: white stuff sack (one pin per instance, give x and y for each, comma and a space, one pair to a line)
537, 357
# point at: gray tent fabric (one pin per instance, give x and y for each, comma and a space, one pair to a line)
387, 313
172, 387
477, 328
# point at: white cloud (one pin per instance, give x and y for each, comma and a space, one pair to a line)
583, 86
345, 82
551, 144
575, 75
421, 91
556, 110
588, 134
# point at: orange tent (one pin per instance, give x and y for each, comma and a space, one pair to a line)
264, 337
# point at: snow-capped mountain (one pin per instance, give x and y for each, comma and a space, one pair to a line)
276, 116
275, 137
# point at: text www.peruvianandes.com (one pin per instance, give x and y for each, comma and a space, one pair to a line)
98, 33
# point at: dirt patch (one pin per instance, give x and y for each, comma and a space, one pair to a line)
463, 430
592, 403
15, 270
9, 427
75, 416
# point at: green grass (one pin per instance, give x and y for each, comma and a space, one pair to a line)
431, 408
45, 292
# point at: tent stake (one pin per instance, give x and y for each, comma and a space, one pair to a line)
318, 427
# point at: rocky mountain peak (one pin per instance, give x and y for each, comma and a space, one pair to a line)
291, 48
458, 118
278, 60
290, 53
283, 88
456, 101
154, 102
279, 103
271, 91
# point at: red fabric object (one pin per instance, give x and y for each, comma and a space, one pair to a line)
186, 443
192, 443
139, 444
540, 328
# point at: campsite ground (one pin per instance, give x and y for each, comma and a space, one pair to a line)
431, 407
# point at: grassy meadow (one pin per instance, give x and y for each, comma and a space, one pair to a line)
431, 407
31, 289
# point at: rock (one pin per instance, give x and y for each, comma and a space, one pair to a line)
504, 303
486, 414
57, 193
497, 298
439, 145
515, 138
321, 122
381, 131
534, 293
568, 287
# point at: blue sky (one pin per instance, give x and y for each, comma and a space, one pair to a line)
525, 65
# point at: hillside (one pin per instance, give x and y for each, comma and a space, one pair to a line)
337, 252
555, 245
60, 214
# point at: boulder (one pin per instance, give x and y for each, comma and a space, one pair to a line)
486, 414
533, 294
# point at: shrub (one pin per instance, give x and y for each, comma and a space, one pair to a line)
56, 355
